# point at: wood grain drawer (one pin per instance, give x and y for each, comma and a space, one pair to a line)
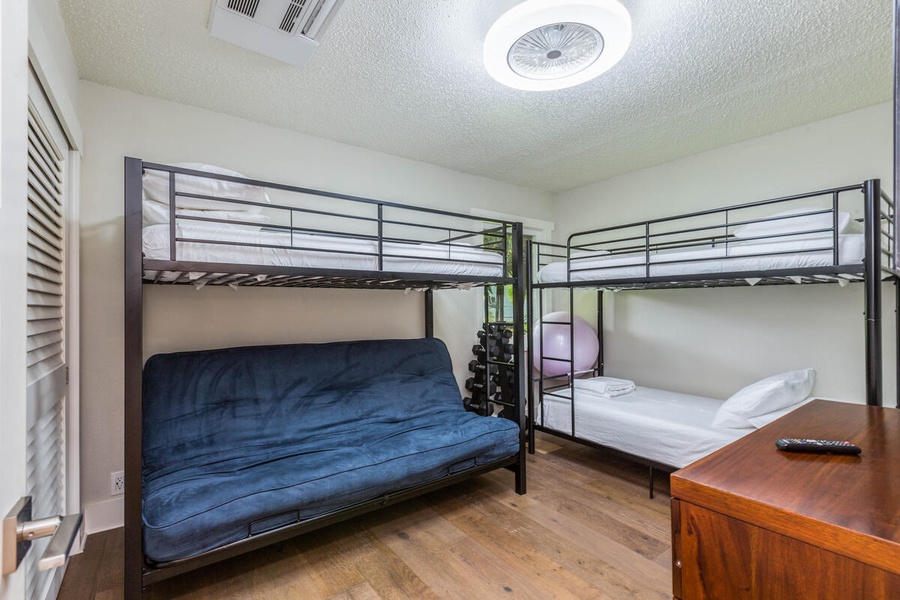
718, 557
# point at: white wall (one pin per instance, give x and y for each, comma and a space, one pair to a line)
118, 124
712, 342
47, 33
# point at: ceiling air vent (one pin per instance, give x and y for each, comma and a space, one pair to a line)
245, 7
287, 30
289, 21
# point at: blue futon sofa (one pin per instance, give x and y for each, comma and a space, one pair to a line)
242, 441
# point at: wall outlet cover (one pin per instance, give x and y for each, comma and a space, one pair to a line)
117, 483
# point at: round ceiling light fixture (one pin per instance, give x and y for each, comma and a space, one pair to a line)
553, 44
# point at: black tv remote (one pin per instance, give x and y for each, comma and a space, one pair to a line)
817, 446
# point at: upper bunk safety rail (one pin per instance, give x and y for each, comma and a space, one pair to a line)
813, 223
888, 233
243, 215
544, 253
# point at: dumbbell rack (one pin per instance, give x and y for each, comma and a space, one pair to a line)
493, 382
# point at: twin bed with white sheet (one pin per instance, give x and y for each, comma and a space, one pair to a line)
816, 237
713, 260
669, 429
199, 242
663, 427
837, 235
233, 223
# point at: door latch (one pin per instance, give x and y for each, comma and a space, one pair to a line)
19, 531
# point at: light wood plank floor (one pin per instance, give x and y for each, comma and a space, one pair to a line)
585, 530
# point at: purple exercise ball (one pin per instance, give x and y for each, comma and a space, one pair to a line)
556, 344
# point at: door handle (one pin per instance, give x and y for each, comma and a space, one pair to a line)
19, 531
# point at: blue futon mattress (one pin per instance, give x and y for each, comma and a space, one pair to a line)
244, 440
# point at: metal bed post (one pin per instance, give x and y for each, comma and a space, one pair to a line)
835, 229
487, 312
526, 368
872, 268
894, 250
540, 351
134, 299
519, 277
571, 291
380, 238
429, 313
173, 230
600, 357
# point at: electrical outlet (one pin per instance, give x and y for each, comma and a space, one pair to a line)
117, 483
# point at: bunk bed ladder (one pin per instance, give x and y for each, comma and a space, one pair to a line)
530, 265
540, 352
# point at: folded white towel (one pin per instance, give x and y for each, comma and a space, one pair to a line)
609, 387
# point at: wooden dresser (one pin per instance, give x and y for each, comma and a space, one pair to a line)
752, 522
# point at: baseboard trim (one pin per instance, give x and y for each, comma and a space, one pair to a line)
101, 516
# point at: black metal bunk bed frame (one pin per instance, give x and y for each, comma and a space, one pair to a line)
138, 573
880, 242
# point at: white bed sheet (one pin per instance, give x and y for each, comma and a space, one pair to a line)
409, 258
733, 258
671, 428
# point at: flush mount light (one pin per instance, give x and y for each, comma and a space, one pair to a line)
555, 44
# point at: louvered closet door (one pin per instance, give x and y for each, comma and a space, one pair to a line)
46, 371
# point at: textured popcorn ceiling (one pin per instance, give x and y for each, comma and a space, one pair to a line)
406, 77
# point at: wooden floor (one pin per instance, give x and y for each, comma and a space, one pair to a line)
586, 529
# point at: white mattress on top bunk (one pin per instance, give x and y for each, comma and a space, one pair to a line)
805, 253
667, 427
314, 251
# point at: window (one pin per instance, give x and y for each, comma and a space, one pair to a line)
500, 302
500, 298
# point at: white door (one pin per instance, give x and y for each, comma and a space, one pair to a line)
13, 186
33, 371
46, 374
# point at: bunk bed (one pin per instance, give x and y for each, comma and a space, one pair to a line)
840, 236
199, 226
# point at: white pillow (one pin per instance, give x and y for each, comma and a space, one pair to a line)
156, 187
155, 213
765, 396
763, 420
793, 225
